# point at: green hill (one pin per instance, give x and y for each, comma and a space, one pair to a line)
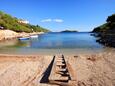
106, 32
12, 23
108, 27
66, 31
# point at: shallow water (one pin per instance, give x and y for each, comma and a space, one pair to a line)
54, 43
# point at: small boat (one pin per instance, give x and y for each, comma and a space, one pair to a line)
24, 38
34, 36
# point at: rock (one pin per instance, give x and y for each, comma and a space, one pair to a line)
7, 34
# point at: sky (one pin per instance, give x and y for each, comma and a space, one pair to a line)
58, 15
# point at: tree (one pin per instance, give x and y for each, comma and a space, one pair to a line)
12, 23
111, 18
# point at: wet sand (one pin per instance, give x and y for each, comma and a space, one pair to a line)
90, 70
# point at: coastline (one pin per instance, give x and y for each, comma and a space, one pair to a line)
9, 34
90, 69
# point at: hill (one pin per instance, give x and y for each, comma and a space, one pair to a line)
108, 27
17, 25
69, 31
106, 32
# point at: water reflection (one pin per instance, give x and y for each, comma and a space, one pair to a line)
8, 43
53, 43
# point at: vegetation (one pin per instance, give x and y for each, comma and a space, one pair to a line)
108, 27
12, 23
69, 31
106, 32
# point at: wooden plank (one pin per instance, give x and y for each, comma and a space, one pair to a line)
71, 72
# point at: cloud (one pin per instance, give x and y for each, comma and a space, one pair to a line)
52, 20
58, 20
46, 20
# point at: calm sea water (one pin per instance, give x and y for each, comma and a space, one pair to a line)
53, 43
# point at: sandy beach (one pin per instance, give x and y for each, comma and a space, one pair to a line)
57, 43
94, 70
90, 70
21, 70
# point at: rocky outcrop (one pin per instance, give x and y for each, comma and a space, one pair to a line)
7, 34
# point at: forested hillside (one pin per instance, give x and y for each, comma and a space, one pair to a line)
106, 32
12, 23
108, 27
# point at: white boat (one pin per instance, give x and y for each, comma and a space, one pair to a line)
24, 38
34, 36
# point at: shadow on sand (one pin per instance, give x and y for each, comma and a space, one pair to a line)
45, 79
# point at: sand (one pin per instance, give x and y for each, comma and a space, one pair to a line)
21, 70
90, 70
94, 70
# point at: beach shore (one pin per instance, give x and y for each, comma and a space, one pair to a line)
90, 70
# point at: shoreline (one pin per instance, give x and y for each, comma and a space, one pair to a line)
10, 35
55, 51
90, 69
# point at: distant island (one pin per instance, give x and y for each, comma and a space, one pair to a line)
69, 31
